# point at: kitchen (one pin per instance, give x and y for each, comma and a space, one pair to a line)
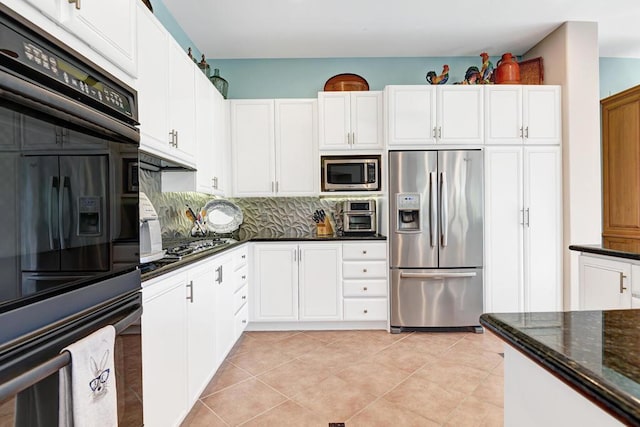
176, 210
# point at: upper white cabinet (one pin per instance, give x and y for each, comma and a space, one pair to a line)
528, 114
108, 27
523, 229
166, 93
274, 147
422, 115
605, 284
350, 120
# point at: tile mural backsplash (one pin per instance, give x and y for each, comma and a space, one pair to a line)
263, 216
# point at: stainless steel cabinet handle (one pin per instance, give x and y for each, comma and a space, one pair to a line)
300, 257
527, 216
177, 140
444, 209
521, 216
348, 135
272, 187
353, 138
404, 275
277, 186
190, 293
433, 226
526, 132
622, 277
434, 132
521, 133
439, 132
215, 182
219, 272
295, 255
77, 2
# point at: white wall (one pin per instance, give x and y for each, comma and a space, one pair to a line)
570, 57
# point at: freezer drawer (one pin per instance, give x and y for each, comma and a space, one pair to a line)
436, 297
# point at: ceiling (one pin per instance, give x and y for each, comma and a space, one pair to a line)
396, 28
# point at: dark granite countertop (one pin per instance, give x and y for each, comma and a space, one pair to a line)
270, 238
597, 353
602, 250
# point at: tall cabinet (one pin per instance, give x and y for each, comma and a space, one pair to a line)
523, 218
621, 170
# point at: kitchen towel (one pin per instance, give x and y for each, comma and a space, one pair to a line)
88, 384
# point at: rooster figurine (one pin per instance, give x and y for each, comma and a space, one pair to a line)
433, 79
487, 68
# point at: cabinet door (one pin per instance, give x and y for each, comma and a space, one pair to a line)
604, 284
542, 114
153, 84
296, 147
460, 114
334, 120
201, 328
206, 160
503, 225
543, 228
164, 353
253, 145
182, 96
275, 280
108, 27
411, 114
503, 114
225, 321
366, 120
221, 160
320, 281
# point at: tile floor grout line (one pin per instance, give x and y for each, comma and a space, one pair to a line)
214, 413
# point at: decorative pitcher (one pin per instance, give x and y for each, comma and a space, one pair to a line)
508, 71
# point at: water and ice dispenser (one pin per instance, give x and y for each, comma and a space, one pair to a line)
408, 212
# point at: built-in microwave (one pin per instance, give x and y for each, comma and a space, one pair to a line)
350, 173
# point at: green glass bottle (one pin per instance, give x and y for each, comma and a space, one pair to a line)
221, 84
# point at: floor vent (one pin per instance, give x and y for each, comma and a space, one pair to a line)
336, 425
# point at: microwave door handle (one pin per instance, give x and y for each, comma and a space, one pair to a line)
52, 222
433, 203
444, 209
65, 215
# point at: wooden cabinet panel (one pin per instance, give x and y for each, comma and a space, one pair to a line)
621, 164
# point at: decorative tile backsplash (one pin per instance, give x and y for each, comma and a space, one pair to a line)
263, 216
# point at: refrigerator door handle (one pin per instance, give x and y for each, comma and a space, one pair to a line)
444, 209
441, 275
65, 214
54, 190
433, 202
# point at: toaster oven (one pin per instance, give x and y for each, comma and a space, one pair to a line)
359, 217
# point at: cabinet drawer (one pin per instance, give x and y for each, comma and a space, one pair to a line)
241, 320
365, 309
241, 276
364, 270
240, 298
364, 288
240, 257
364, 251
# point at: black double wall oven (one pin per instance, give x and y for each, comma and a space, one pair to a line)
68, 221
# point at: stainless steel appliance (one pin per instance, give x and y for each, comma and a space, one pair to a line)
359, 217
350, 173
67, 216
150, 233
436, 238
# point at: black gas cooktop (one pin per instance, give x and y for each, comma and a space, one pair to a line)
180, 250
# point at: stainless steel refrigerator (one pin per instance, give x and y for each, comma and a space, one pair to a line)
64, 219
436, 238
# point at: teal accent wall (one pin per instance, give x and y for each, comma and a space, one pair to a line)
618, 74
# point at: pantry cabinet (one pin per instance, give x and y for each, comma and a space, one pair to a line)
274, 147
350, 120
166, 94
523, 229
523, 114
605, 284
422, 115
107, 27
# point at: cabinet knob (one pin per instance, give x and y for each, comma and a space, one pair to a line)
365, 288
244, 277
364, 252
244, 321
244, 297
364, 270
366, 311
244, 256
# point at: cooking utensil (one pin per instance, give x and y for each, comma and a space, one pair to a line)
193, 217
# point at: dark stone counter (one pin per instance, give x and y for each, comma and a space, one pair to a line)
602, 250
597, 353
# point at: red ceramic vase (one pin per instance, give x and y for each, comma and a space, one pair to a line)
508, 71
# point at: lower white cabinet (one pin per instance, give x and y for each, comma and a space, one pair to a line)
297, 281
188, 328
605, 283
364, 270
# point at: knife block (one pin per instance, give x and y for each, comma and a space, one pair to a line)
324, 228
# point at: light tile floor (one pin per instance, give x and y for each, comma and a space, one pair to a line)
361, 378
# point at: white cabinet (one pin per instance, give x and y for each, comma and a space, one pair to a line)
164, 350
297, 282
241, 295
422, 115
274, 147
109, 28
523, 229
166, 94
605, 284
350, 120
528, 114
225, 320
364, 272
